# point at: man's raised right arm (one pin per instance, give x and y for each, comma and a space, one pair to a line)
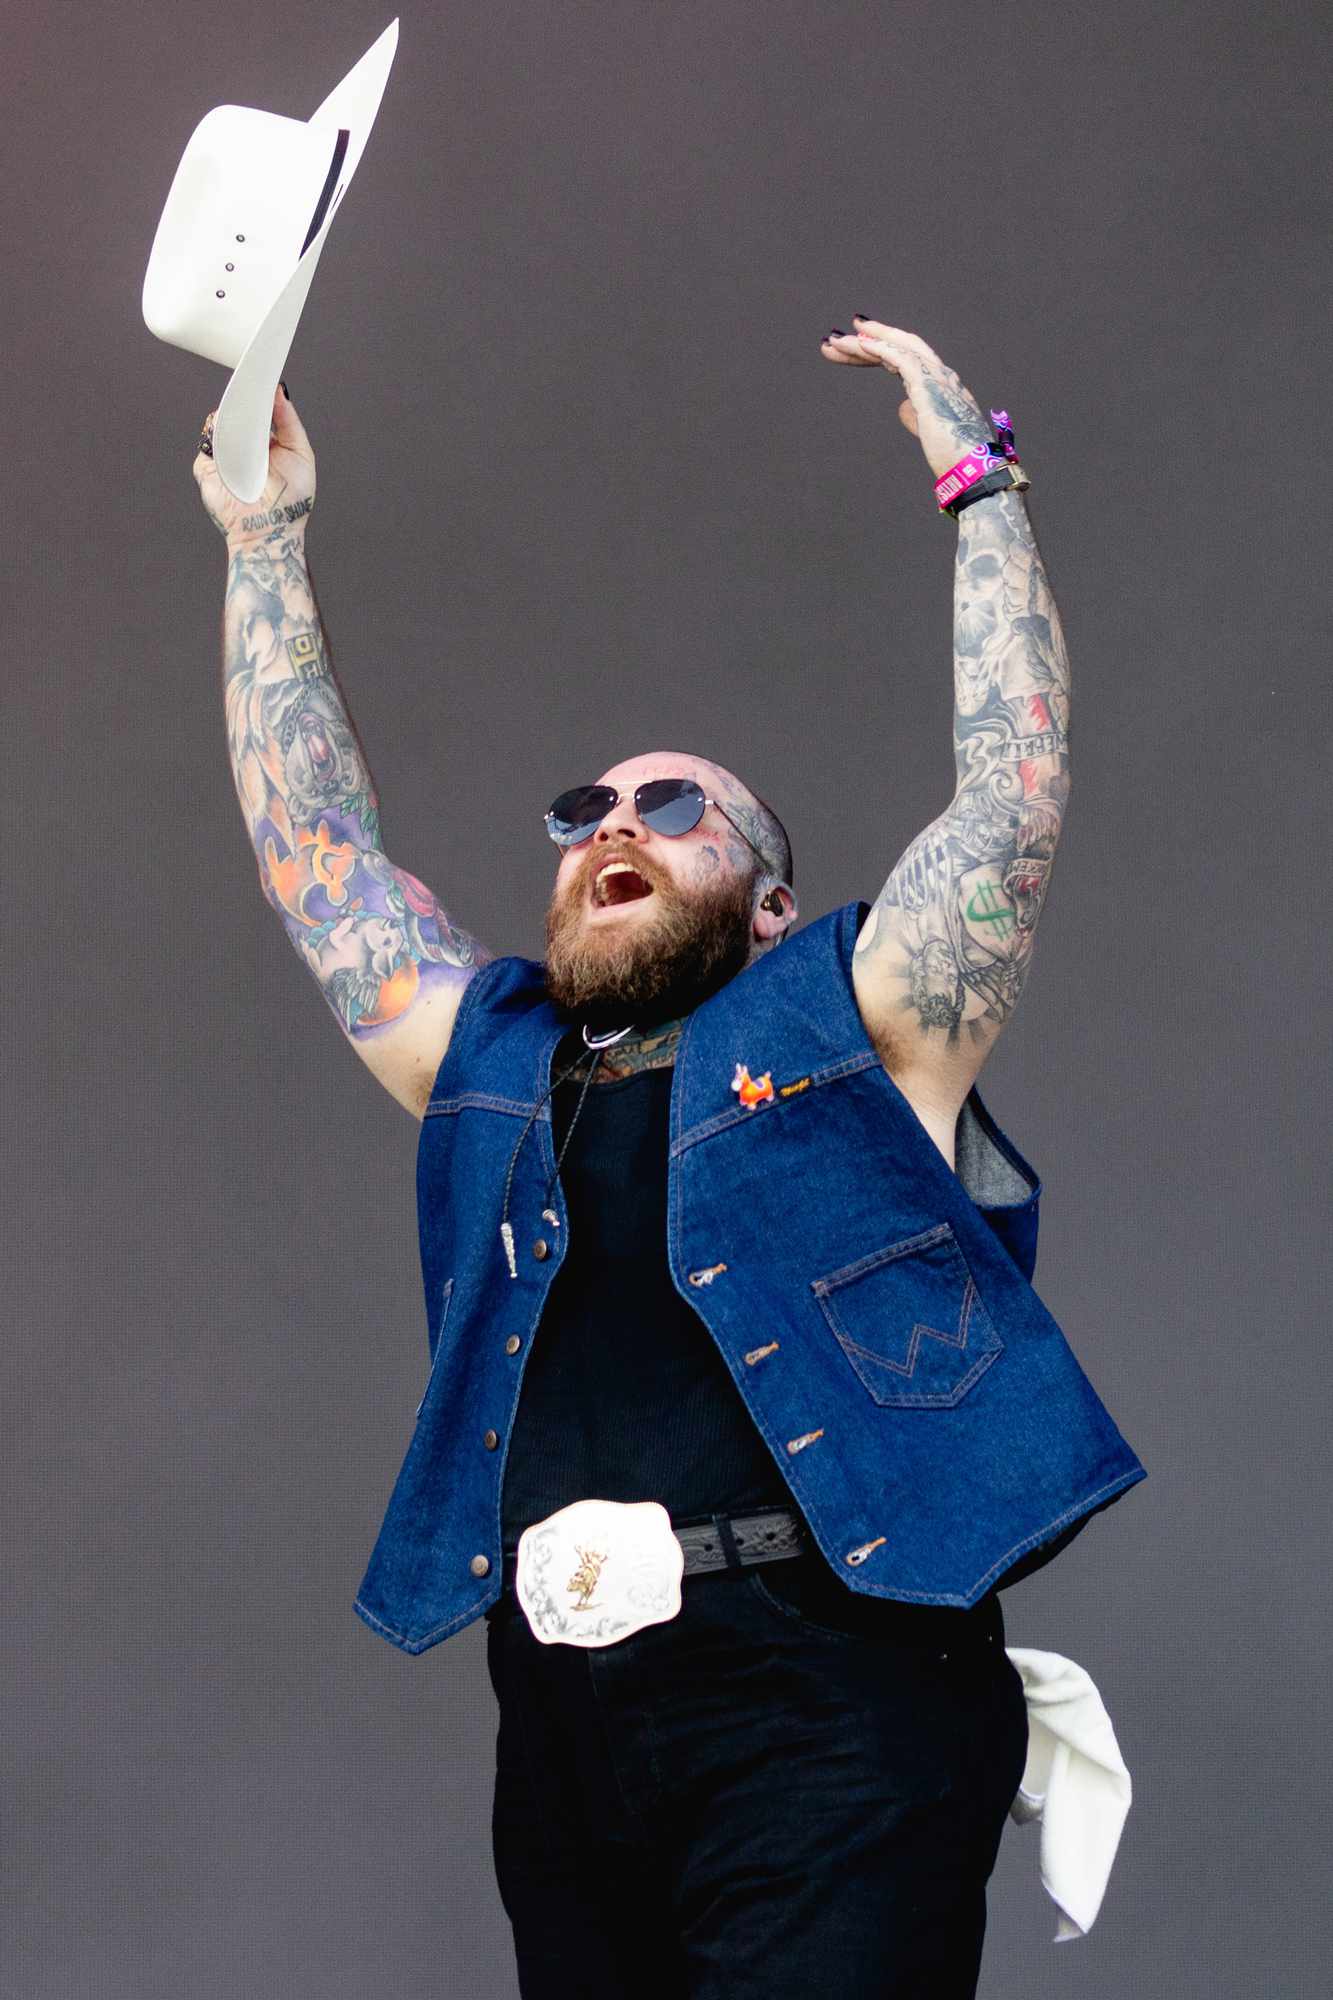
385, 955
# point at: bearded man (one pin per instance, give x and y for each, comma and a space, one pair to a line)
741, 1407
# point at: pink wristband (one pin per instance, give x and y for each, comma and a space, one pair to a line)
983, 458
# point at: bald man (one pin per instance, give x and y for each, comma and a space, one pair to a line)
741, 1407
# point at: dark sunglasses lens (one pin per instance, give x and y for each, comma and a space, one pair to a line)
670, 805
576, 813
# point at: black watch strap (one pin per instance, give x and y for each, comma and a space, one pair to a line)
1007, 477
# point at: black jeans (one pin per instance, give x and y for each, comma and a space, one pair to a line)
785, 1790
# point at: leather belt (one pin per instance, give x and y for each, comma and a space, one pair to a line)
725, 1541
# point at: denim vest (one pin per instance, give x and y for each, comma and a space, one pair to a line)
878, 1318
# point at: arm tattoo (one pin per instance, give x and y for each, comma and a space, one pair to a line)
371, 934
958, 915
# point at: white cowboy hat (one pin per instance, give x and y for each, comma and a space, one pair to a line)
235, 252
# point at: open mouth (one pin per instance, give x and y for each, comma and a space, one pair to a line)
323, 763
619, 883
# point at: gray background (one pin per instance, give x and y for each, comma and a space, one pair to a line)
587, 488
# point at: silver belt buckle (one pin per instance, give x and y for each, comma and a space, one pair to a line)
597, 1570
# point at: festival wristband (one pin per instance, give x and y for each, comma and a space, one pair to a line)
991, 455
1010, 478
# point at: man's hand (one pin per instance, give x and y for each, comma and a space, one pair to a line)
939, 410
289, 490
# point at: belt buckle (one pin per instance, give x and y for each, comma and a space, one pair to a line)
598, 1570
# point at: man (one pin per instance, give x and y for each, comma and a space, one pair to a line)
738, 1518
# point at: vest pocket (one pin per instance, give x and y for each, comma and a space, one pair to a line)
910, 1320
439, 1343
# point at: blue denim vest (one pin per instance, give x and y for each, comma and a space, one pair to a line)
877, 1317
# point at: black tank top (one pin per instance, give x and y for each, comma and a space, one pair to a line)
625, 1396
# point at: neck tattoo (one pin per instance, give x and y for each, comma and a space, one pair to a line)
654, 1049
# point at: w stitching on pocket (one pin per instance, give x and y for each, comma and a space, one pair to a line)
439, 1343
929, 1321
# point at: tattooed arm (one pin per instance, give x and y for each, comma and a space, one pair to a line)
387, 958
944, 953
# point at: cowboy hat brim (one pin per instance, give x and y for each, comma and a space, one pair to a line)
244, 416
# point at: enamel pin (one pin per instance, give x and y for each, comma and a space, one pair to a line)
752, 1090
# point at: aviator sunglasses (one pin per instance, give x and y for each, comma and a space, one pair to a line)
667, 805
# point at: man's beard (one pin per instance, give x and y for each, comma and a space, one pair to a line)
653, 970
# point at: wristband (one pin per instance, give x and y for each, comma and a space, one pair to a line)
990, 457
1009, 479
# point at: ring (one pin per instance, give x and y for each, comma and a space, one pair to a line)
206, 437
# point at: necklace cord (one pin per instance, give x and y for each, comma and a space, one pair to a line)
595, 1047
592, 1071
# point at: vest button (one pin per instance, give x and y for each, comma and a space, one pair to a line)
541, 1248
490, 1440
480, 1565
513, 1344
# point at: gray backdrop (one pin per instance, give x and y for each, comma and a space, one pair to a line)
587, 488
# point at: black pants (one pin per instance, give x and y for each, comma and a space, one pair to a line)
785, 1790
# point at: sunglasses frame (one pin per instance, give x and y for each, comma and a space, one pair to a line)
565, 845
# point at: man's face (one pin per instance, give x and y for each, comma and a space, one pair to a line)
654, 942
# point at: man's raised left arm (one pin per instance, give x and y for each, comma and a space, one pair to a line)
944, 953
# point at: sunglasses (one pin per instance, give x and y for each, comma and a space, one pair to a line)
667, 805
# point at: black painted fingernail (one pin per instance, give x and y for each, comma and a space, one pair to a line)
860, 315
285, 390
838, 331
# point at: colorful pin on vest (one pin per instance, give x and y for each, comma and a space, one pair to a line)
752, 1090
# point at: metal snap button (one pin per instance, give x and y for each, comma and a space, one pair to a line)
490, 1440
480, 1565
541, 1248
513, 1344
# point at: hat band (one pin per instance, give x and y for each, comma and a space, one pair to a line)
326, 193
